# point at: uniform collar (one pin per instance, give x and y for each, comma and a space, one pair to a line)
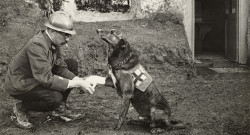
48, 39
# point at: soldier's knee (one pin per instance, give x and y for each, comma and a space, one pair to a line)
55, 100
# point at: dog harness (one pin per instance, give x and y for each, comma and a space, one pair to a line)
140, 76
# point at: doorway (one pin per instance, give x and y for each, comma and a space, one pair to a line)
221, 29
210, 27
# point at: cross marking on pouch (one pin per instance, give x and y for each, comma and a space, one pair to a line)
139, 77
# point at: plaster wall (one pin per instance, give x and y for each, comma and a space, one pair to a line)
243, 46
248, 36
188, 22
150, 6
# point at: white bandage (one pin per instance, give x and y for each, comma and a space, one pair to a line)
96, 79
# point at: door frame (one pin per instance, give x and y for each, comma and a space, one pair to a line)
242, 28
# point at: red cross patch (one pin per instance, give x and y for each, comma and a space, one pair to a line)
141, 77
138, 77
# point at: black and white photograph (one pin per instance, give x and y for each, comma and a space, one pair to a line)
124, 67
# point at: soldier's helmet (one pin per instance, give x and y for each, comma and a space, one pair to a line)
61, 21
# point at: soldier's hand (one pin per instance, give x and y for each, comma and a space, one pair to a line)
84, 84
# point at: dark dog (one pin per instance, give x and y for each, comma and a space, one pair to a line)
148, 102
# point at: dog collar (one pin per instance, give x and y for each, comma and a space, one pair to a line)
118, 65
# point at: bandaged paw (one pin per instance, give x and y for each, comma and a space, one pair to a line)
96, 79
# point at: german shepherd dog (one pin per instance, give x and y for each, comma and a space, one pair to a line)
151, 105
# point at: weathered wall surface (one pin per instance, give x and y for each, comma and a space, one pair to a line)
188, 22
149, 6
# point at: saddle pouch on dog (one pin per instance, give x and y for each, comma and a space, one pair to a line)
141, 77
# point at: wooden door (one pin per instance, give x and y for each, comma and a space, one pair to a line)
231, 47
236, 25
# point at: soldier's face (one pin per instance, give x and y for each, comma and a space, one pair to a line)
60, 38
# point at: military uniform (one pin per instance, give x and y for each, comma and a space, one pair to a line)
38, 74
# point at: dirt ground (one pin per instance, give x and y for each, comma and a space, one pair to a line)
213, 102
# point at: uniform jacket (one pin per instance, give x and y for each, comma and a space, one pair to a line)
33, 65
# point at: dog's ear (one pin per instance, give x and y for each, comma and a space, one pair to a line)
119, 35
112, 31
98, 31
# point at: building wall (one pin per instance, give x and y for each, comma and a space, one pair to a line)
150, 6
188, 22
243, 46
248, 36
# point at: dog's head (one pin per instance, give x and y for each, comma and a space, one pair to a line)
114, 39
